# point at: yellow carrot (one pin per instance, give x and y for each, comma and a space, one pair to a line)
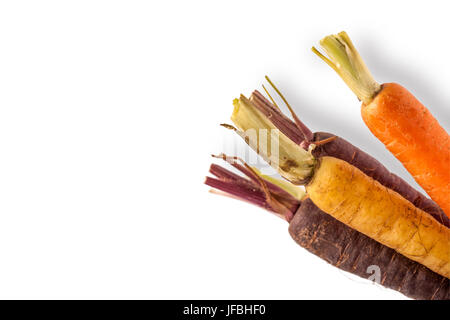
362, 203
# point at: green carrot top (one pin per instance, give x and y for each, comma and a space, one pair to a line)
346, 61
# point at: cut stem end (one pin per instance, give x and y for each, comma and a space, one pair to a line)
348, 64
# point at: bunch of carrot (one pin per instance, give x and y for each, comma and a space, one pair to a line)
367, 213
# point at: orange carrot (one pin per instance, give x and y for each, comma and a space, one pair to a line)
396, 118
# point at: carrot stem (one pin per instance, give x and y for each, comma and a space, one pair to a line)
269, 189
278, 119
271, 99
348, 64
304, 129
292, 161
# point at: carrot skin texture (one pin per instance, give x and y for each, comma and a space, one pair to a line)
414, 137
352, 251
344, 150
365, 205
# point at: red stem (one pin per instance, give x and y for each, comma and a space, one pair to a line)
297, 132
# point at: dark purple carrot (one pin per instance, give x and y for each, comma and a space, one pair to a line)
354, 252
340, 148
333, 241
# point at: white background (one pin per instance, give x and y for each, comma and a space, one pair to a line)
109, 111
